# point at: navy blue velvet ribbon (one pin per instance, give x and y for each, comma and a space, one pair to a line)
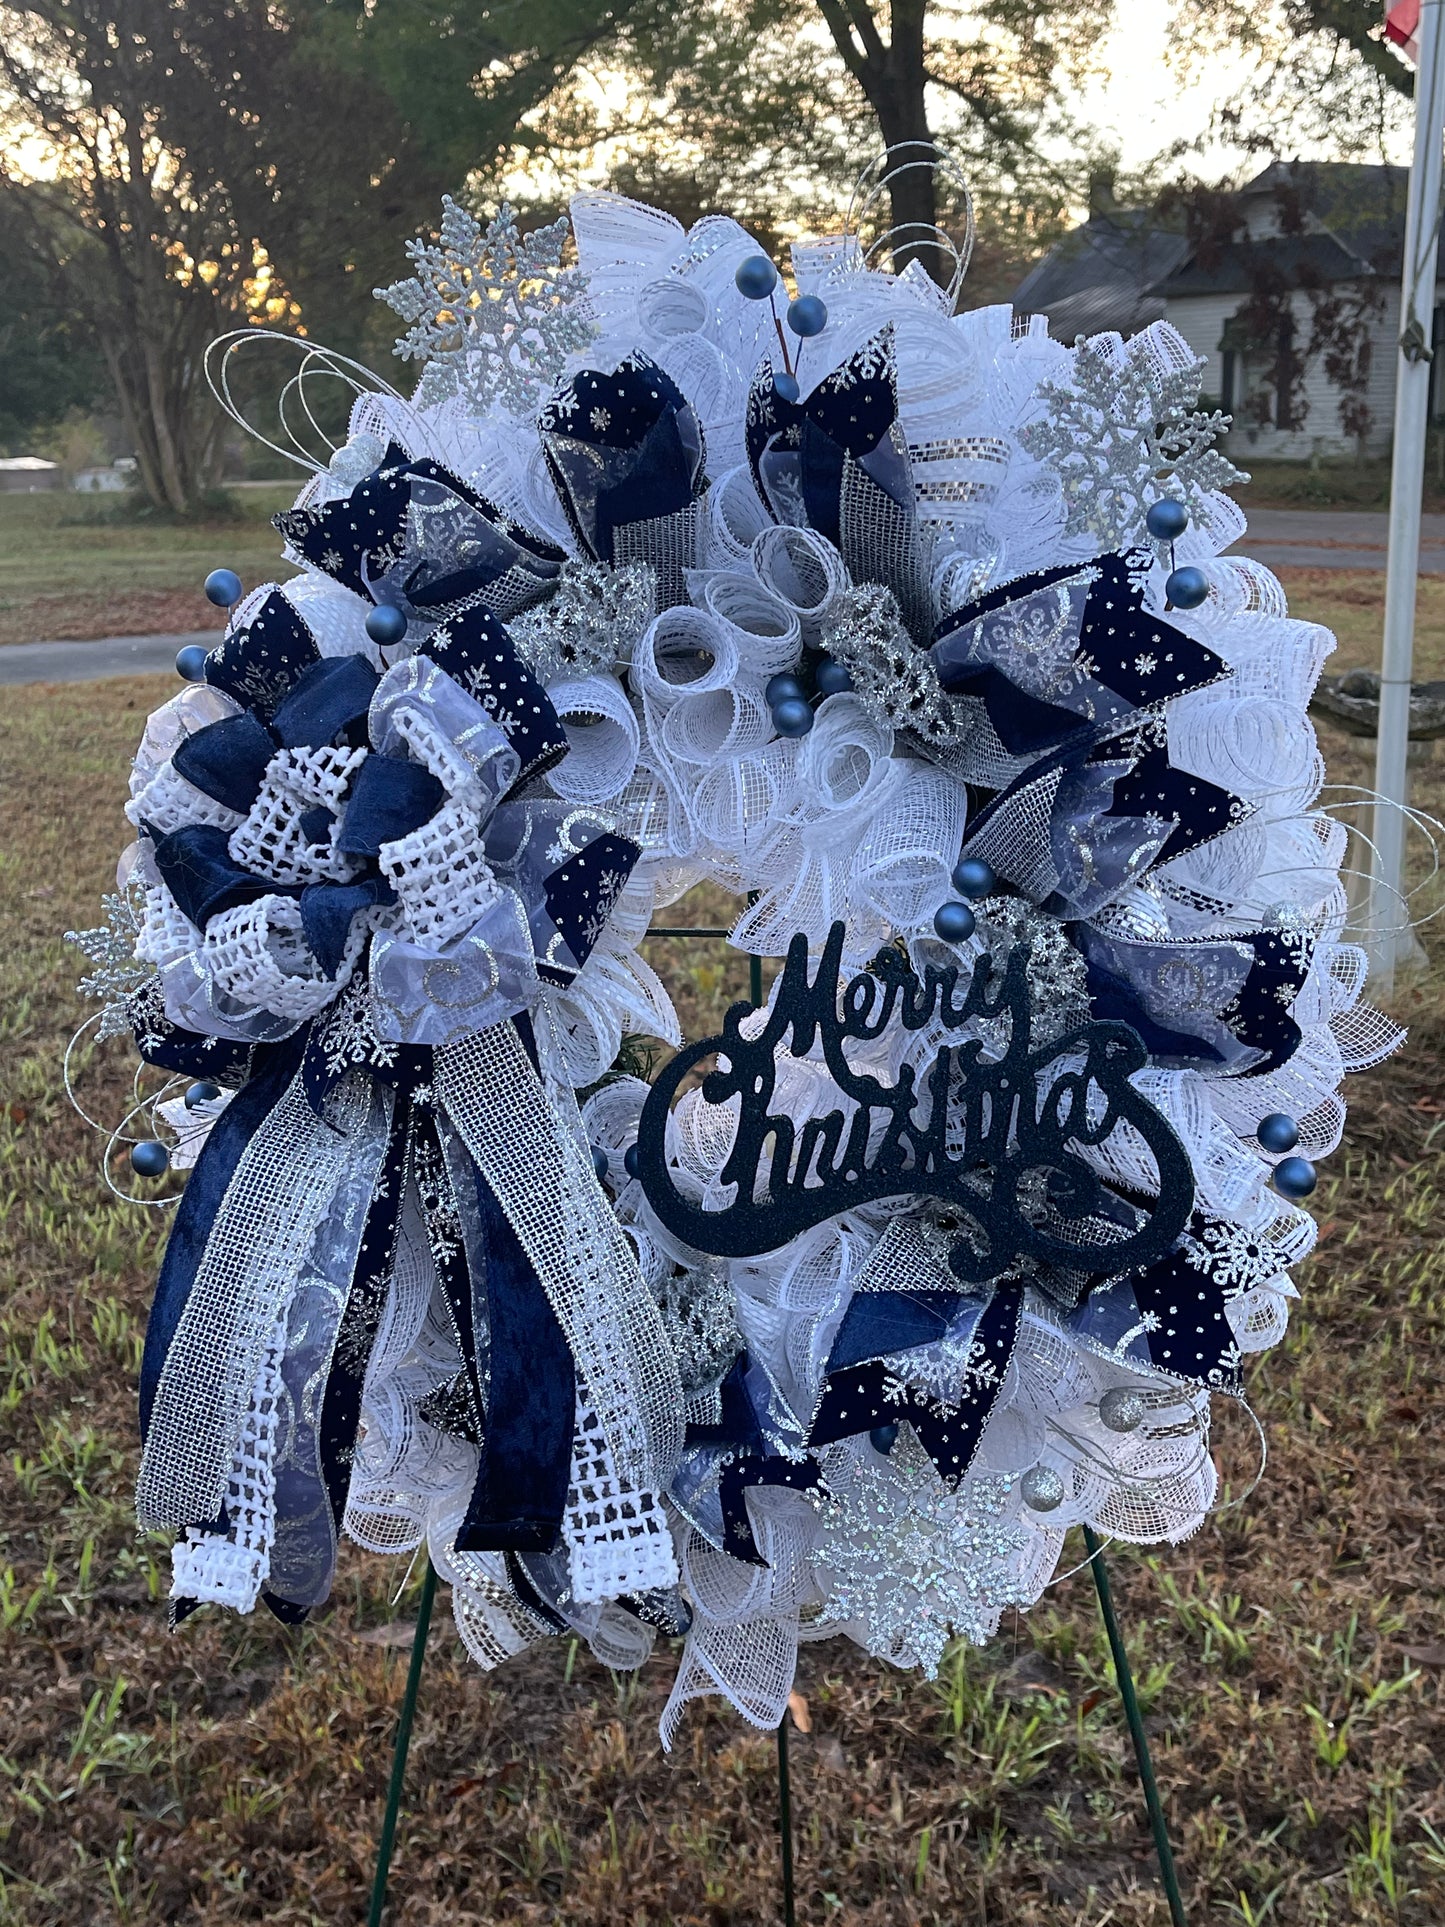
857, 1398
579, 895
660, 484
188, 1053
521, 1486
476, 651
1170, 1318
227, 760
328, 911
362, 540
622, 446
198, 869
801, 446
388, 799
737, 1426
1126, 657
327, 702
258, 662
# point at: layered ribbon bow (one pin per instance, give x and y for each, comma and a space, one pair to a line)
370, 905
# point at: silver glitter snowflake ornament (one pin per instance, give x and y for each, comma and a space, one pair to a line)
1124, 430
911, 1563
491, 312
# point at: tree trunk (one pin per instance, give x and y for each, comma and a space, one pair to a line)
894, 79
901, 105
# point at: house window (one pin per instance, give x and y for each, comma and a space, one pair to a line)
1258, 378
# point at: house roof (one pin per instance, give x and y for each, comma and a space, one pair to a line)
1118, 270
1101, 275
1291, 260
1351, 224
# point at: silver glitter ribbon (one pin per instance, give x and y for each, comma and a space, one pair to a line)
535, 1160
259, 1247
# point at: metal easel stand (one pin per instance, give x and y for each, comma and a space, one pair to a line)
1122, 1673
1142, 1756
402, 1748
387, 1843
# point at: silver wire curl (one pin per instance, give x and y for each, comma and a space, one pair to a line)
116, 1136
878, 178
317, 364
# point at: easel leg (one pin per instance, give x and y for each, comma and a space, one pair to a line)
1142, 1756
399, 1753
785, 1823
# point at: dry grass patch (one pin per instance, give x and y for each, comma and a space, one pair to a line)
1290, 1656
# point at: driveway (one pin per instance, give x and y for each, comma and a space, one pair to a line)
90, 661
1334, 539
1280, 538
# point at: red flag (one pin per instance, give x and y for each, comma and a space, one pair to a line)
1402, 23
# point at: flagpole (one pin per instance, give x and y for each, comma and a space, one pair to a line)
1388, 936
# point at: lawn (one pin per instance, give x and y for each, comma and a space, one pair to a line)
86, 566
1335, 484
1290, 1656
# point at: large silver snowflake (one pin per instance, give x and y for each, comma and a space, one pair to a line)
911, 1562
117, 974
491, 312
1122, 431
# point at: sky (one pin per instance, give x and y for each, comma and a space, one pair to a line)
1147, 104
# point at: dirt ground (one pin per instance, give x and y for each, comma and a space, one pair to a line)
1290, 1656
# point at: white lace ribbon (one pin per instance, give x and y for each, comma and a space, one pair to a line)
280, 1193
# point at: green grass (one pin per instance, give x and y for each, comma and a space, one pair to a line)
1336, 484
72, 565
52, 543
1289, 1656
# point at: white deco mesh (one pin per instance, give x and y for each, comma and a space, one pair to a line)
603, 734
673, 744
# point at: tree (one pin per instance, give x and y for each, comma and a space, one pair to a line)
1321, 72
207, 163
174, 181
48, 364
768, 106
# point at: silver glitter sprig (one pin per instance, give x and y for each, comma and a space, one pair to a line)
591, 621
492, 312
699, 1315
1119, 434
893, 678
117, 974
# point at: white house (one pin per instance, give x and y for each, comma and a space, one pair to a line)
1288, 288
